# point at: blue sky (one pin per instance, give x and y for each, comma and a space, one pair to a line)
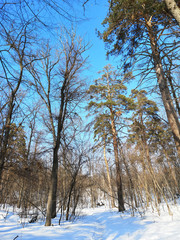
87, 21
95, 12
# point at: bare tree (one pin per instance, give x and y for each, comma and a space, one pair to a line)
62, 89
15, 56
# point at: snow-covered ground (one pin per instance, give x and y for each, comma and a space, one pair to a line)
99, 223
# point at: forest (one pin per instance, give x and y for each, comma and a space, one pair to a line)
68, 141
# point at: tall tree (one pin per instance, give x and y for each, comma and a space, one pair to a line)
63, 90
129, 25
108, 93
102, 136
20, 22
16, 55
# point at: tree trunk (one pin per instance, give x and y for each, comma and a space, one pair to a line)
174, 94
174, 9
51, 204
73, 183
163, 86
69, 199
121, 207
75, 204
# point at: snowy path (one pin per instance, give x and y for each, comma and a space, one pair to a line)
96, 228
97, 224
98, 233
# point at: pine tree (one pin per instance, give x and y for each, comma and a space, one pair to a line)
144, 115
103, 137
135, 30
109, 99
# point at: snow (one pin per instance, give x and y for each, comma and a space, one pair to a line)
98, 223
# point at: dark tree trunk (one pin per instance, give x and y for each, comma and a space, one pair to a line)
72, 186
69, 199
54, 182
51, 205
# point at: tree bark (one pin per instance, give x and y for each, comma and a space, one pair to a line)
174, 9
163, 87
